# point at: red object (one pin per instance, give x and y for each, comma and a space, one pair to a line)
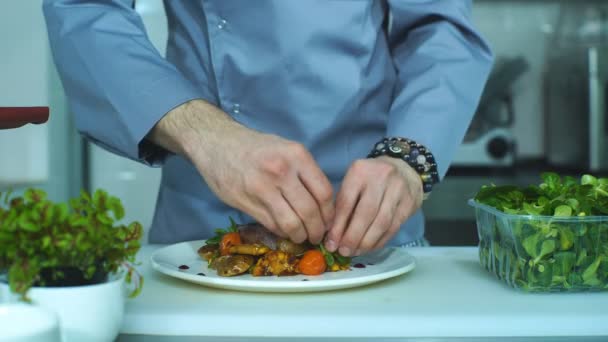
312, 263
13, 117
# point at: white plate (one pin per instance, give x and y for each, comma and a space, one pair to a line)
374, 267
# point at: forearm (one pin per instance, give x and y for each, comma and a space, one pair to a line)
117, 84
192, 128
275, 181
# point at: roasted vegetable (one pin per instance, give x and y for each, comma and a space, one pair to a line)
231, 265
277, 263
229, 240
207, 252
266, 253
219, 233
312, 263
254, 249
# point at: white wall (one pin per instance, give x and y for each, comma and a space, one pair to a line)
24, 80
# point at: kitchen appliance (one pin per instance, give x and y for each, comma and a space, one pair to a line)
489, 141
576, 89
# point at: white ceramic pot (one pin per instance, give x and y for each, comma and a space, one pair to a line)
28, 323
86, 313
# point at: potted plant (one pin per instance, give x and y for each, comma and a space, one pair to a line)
72, 257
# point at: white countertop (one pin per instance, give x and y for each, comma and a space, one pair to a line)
447, 295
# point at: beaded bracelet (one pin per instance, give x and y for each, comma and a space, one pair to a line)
416, 155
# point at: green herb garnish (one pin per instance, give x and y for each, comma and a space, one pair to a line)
220, 232
332, 258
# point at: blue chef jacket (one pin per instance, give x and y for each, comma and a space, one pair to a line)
333, 75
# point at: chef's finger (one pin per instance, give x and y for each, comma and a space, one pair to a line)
362, 217
314, 180
346, 200
307, 209
321, 190
402, 212
288, 221
261, 213
383, 221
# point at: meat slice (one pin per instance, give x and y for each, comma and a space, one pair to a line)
255, 233
208, 251
231, 265
291, 247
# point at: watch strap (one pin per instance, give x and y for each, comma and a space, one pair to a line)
416, 155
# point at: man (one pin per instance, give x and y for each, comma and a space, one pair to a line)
268, 110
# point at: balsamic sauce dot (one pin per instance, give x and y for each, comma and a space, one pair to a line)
184, 267
201, 274
359, 265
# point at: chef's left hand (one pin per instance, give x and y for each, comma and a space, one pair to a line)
376, 197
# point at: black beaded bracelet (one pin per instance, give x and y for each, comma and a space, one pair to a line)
416, 155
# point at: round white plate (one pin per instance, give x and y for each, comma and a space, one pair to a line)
387, 263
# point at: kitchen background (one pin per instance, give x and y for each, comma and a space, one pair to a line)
543, 109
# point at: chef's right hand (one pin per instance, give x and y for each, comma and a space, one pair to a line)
274, 180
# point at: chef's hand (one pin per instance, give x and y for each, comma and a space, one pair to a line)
274, 180
376, 197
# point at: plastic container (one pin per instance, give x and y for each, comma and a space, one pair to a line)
544, 253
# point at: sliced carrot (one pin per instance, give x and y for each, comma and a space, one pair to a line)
312, 263
229, 239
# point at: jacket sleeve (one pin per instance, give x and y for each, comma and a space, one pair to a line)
118, 85
442, 65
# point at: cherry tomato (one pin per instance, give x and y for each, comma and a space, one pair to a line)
312, 263
229, 239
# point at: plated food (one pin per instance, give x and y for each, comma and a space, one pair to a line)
182, 261
253, 249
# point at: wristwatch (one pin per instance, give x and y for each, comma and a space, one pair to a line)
416, 155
